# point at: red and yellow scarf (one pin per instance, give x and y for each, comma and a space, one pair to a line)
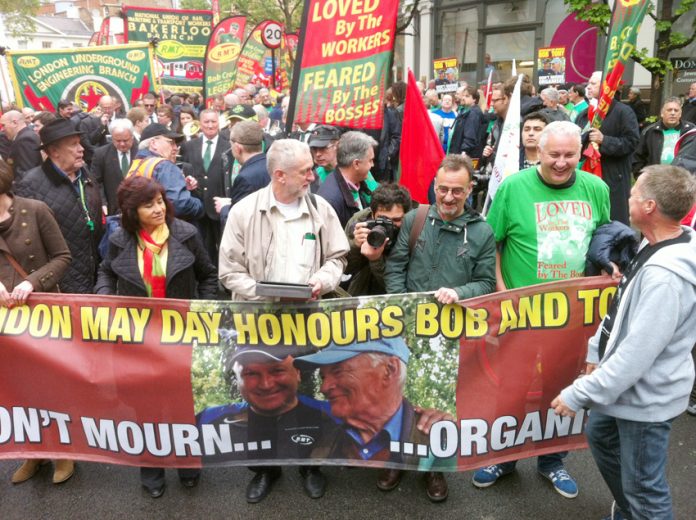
152, 260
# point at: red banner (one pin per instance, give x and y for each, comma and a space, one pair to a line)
344, 62
159, 382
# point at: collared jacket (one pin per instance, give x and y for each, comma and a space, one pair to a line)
459, 254
650, 146
248, 245
190, 274
47, 184
34, 239
337, 193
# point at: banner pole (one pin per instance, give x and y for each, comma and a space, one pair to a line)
289, 119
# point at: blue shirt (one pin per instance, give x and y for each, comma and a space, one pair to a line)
391, 431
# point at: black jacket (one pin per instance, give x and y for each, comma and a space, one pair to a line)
612, 242
651, 141
211, 183
468, 133
24, 152
253, 175
190, 274
106, 170
336, 192
621, 136
45, 183
689, 111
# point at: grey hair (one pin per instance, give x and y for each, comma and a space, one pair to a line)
285, 152
120, 125
261, 112
353, 146
377, 357
559, 128
145, 143
671, 187
550, 93
635, 90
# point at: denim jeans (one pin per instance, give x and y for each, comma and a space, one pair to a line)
632, 458
545, 463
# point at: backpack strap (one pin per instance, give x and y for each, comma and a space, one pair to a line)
144, 167
418, 225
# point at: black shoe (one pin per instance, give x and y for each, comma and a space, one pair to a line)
190, 482
155, 492
313, 481
260, 486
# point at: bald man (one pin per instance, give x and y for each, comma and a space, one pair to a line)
96, 128
24, 152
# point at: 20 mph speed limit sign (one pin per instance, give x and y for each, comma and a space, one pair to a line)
271, 35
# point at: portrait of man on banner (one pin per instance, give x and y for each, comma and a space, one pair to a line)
359, 411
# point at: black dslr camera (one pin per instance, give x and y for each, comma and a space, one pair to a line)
380, 229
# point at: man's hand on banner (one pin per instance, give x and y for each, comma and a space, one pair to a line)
561, 408
445, 295
590, 368
615, 273
5, 298
429, 416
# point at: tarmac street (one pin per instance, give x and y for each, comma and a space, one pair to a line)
103, 492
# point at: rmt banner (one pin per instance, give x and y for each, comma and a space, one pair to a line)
346, 50
395, 381
181, 36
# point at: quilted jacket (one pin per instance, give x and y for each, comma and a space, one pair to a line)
45, 183
190, 274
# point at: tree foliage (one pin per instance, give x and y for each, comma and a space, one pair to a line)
16, 16
667, 38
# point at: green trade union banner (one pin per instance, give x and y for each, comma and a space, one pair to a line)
182, 40
42, 78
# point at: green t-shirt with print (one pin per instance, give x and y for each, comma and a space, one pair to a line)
546, 231
671, 136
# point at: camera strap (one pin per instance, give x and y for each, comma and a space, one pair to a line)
418, 225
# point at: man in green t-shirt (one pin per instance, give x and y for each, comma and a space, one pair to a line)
543, 219
658, 140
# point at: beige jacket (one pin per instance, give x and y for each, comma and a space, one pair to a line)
247, 245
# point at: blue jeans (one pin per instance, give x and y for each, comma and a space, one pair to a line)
545, 463
632, 457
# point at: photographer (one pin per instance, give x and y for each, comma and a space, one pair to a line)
371, 232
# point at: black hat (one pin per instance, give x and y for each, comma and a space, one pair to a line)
242, 112
57, 130
157, 129
323, 135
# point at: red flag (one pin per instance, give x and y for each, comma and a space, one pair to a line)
421, 152
593, 160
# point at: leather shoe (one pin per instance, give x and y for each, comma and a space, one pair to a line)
190, 482
436, 486
28, 469
63, 470
313, 481
260, 486
156, 492
388, 479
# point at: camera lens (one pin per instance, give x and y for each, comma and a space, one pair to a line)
377, 236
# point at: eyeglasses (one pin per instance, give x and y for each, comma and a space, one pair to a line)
496, 100
456, 192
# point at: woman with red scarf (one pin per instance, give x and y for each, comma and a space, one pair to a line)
154, 255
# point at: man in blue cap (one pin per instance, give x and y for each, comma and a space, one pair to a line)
364, 384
